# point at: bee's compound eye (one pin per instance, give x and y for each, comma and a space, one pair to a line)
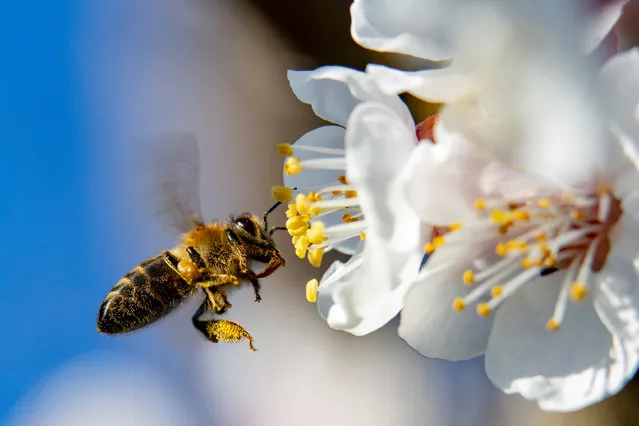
248, 224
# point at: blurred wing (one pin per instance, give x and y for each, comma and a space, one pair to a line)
176, 180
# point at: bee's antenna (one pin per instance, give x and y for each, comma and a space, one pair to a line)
269, 211
277, 228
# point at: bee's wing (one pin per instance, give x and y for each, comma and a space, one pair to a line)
175, 174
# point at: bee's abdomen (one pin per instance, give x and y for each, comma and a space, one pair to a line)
145, 294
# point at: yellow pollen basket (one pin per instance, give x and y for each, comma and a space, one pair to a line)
282, 194
311, 290
292, 166
285, 149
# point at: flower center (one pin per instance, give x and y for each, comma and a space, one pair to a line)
536, 237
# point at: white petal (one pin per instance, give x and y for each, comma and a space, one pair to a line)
443, 85
378, 143
602, 20
334, 91
428, 322
564, 370
413, 27
327, 136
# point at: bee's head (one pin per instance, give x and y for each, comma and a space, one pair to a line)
253, 236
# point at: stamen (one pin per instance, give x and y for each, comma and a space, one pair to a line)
315, 256
297, 226
292, 166
285, 149
311, 290
316, 233
282, 194
559, 312
291, 211
302, 204
362, 236
458, 304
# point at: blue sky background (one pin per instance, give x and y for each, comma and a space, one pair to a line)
48, 273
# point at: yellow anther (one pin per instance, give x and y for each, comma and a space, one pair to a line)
455, 226
538, 263
544, 203
505, 227
314, 210
496, 291
516, 245
429, 248
483, 310
578, 292
282, 194
315, 256
501, 249
545, 251
311, 290
541, 237
292, 166
439, 241
458, 304
480, 204
316, 233
362, 236
296, 225
342, 179
550, 261
301, 244
499, 216
576, 215
552, 325
350, 194
291, 211
336, 193
302, 204
521, 215
285, 149
313, 196
349, 218
526, 263
603, 189
469, 277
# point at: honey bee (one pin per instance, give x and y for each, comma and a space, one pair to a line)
212, 256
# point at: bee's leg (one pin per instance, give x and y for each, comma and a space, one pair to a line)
217, 298
250, 275
222, 331
275, 262
196, 257
216, 280
275, 259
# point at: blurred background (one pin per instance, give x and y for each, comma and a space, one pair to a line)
83, 84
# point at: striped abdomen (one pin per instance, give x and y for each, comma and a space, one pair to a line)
145, 294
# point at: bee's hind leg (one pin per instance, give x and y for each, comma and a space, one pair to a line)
221, 330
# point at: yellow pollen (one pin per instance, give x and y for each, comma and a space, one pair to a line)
300, 252
538, 263
552, 325
499, 216
544, 202
516, 245
301, 245
578, 292
296, 226
541, 237
483, 310
526, 263
496, 291
458, 304
505, 227
350, 194
292, 166
521, 215
315, 256
455, 226
342, 179
430, 248
501, 249
362, 236
312, 197
439, 241
316, 233
311, 290
550, 261
291, 211
282, 194
576, 215
469, 277
336, 193
302, 204
480, 204
285, 149
349, 218
314, 210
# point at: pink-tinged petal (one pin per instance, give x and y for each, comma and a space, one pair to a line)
444, 85
325, 137
429, 324
600, 22
378, 143
563, 370
413, 27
